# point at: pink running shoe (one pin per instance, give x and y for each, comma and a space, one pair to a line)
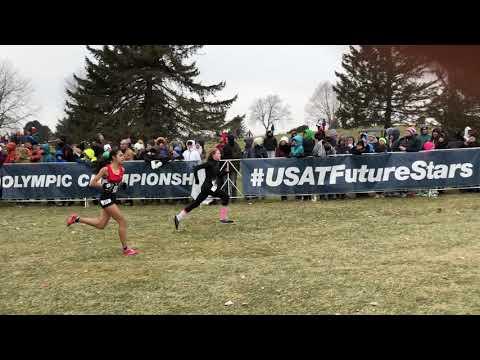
72, 219
130, 252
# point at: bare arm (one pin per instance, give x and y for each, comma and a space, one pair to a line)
95, 182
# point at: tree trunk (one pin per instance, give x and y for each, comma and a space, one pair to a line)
147, 113
388, 91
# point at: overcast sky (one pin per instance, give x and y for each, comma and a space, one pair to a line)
251, 71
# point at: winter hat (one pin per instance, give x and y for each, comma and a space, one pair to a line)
107, 148
382, 140
331, 133
139, 145
411, 130
428, 146
284, 138
258, 141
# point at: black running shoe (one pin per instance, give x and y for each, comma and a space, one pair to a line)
175, 220
227, 221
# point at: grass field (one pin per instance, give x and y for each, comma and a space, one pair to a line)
365, 256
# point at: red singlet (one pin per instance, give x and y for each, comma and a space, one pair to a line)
112, 177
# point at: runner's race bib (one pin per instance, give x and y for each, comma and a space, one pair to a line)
105, 202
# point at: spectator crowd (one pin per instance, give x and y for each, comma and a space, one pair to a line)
24, 147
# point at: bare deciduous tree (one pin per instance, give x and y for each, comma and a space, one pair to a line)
15, 97
322, 105
269, 111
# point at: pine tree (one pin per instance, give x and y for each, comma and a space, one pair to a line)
143, 91
380, 85
454, 110
237, 125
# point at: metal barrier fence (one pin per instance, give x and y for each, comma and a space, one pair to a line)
232, 184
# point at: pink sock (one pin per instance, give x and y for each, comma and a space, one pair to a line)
224, 213
181, 215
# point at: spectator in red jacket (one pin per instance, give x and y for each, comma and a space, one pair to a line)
3, 154
36, 154
11, 153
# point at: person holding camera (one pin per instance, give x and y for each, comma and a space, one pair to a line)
323, 148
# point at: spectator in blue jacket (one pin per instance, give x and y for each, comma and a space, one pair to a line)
47, 156
297, 146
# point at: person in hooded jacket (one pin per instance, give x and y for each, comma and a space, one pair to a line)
223, 140
308, 142
12, 156
90, 156
248, 152
3, 155
393, 134
297, 147
270, 144
47, 156
332, 136
470, 140
259, 149
373, 143
283, 149
59, 155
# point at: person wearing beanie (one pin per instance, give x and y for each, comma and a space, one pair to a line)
332, 135
283, 149
381, 145
259, 149
410, 142
431, 193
